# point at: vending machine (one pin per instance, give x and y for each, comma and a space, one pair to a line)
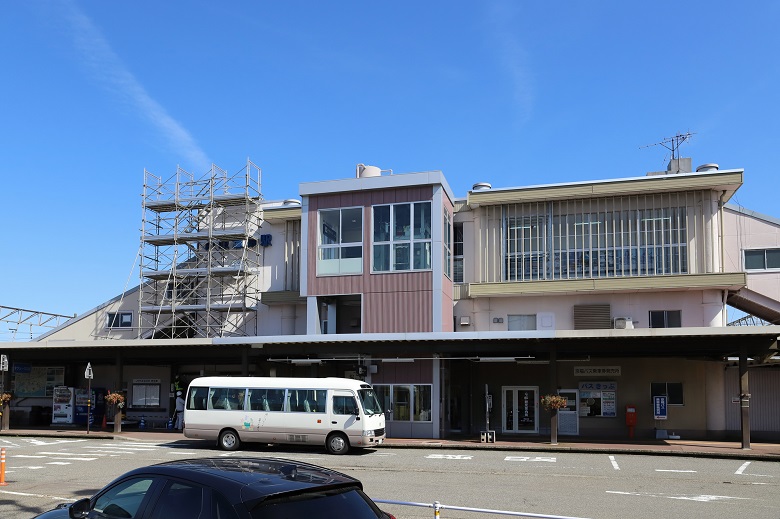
95, 406
63, 405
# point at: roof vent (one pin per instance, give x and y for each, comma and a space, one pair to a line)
704, 168
482, 186
363, 171
291, 201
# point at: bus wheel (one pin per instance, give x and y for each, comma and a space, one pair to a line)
337, 443
228, 440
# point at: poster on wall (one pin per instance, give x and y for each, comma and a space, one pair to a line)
598, 399
29, 381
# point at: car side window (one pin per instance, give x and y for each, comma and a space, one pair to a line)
179, 500
220, 508
123, 500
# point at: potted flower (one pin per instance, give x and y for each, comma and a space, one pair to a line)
552, 403
5, 411
117, 401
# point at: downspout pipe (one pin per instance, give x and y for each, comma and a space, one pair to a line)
722, 231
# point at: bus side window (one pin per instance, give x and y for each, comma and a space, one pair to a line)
344, 405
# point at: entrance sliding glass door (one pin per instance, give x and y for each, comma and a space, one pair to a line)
519, 409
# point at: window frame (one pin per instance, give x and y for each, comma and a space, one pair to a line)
666, 314
339, 246
409, 238
765, 259
116, 320
654, 387
137, 390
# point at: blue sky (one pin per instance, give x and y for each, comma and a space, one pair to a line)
508, 92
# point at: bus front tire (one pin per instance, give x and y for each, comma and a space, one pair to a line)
228, 440
337, 443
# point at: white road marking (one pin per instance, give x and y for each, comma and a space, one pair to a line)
25, 494
9, 443
57, 442
614, 463
742, 468
59, 463
704, 498
26, 456
529, 458
449, 457
670, 470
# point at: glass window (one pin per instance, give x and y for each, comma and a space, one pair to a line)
404, 403
266, 399
447, 242
762, 259
340, 248
123, 499
178, 500
221, 508
665, 318
521, 322
323, 504
457, 266
119, 320
306, 400
226, 398
146, 395
344, 405
402, 237
197, 397
672, 390
422, 403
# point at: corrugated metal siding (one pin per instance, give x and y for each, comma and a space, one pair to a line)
764, 386
398, 312
592, 317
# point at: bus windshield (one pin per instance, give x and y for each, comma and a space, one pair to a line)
369, 401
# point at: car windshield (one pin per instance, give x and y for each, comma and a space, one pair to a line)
369, 401
333, 504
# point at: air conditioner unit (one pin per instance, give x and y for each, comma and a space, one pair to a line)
624, 323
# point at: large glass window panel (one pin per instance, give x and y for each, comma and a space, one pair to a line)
401, 403
330, 226
773, 258
382, 223
422, 221
422, 255
755, 260
352, 225
521, 322
402, 223
401, 256
422, 403
381, 258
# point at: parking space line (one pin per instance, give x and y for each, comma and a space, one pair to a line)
742, 468
614, 463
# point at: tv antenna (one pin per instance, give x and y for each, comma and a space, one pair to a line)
673, 143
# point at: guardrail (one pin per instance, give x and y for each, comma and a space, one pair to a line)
437, 507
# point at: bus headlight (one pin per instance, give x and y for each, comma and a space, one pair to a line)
369, 433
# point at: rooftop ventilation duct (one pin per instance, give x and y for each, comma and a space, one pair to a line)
482, 186
291, 201
704, 168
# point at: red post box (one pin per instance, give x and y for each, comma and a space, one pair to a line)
631, 419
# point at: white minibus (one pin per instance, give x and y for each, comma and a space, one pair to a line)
336, 412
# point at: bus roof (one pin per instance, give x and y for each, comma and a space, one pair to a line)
282, 382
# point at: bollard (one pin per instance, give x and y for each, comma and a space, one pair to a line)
2, 467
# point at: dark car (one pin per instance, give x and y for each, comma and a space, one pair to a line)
226, 488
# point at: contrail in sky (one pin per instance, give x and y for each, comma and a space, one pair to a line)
109, 69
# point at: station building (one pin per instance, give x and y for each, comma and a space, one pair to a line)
462, 311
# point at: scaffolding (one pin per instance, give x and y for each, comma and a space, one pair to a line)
21, 324
200, 254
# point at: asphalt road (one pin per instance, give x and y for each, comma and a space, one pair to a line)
41, 472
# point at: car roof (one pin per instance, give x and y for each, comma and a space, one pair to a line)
252, 478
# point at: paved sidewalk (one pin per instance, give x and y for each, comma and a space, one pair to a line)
710, 449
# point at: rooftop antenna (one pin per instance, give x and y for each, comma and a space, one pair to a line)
673, 143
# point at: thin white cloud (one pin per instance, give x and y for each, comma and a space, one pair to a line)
502, 22
109, 69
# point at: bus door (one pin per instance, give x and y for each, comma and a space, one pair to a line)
345, 413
